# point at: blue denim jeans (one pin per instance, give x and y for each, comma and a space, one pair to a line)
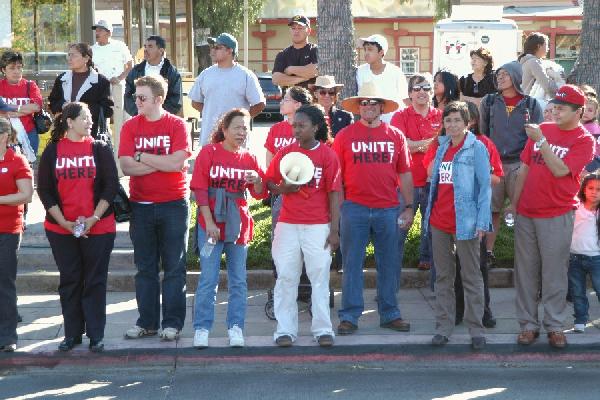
358, 225
420, 196
34, 140
579, 267
208, 284
159, 233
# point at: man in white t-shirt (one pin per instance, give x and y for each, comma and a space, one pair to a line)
387, 77
113, 60
223, 86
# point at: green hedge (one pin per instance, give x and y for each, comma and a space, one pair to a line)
259, 253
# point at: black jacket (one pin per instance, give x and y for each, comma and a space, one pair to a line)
174, 100
96, 96
339, 119
106, 182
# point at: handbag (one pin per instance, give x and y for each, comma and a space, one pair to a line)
41, 119
121, 205
103, 134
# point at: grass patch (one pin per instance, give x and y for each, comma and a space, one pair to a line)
259, 252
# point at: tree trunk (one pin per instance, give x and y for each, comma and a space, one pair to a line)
587, 67
337, 53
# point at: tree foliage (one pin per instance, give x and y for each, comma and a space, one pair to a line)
587, 66
225, 15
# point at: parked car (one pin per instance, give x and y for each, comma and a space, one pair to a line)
273, 96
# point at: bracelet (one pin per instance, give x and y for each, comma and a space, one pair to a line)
138, 156
408, 206
540, 142
97, 218
19, 108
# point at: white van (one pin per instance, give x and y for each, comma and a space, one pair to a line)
469, 28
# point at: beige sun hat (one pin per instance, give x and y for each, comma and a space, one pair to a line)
368, 91
325, 82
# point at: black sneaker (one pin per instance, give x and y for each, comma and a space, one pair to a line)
478, 343
284, 341
96, 346
68, 343
439, 340
488, 321
325, 340
8, 348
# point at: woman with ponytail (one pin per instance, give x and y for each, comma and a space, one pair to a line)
82, 83
77, 182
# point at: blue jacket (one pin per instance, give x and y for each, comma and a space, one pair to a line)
472, 186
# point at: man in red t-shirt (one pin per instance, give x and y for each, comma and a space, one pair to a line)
153, 151
548, 181
375, 164
420, 123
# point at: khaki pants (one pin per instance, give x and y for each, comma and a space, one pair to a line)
445, 246
541, 262
119, 117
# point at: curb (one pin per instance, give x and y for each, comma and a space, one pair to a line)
123, 280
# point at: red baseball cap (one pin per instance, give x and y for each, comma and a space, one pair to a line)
569, 94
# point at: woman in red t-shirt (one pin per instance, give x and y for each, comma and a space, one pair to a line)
16, 189
77, 184
308, 228
222, 173
25, 95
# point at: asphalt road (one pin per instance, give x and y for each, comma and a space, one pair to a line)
376, 380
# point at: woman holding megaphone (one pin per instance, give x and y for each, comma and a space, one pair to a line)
222, 173
307, 175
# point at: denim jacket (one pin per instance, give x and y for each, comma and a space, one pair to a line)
472, 186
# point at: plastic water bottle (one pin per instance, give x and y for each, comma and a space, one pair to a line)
208, 248
79, 227
509, 219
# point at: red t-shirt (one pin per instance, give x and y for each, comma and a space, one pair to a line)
280, 135
495, 161
511, 102
16, 95
416, 127
311, 205
443, 213
12, 168
218, 168
165, 136
544, 195
371, 159
75, 171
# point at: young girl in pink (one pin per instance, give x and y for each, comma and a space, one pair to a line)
585, 249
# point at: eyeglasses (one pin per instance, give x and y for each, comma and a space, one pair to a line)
142, 98
370, 102
325, 92
426, 88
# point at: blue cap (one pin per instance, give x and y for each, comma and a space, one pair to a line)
226, 40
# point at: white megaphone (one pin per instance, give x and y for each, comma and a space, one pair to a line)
297, 169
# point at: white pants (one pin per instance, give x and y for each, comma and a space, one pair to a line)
292, 244
119, 117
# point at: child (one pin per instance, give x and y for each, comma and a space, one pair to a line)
589, 119
307, 229
585, 248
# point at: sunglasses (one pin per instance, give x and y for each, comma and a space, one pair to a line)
426, 88
141, 97
370, 102
325, 92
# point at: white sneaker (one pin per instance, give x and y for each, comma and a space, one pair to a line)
169, 334
579, 328
137, 332
201, 339
236, 336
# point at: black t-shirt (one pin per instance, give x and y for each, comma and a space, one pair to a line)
296, 57
485, 86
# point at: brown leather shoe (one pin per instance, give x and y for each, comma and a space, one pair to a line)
526, 338
424, 266
557, 339
346, 328
397, 324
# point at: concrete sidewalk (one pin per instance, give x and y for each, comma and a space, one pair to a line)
42, 327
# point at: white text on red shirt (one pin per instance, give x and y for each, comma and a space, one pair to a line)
153, 144
373, 152
75, 167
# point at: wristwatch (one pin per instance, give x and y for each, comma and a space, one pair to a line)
540, 142
138, 156
408, 206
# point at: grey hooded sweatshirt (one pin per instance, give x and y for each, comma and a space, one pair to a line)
533, 71
507, 130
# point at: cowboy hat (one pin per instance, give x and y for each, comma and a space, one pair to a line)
325, 82
368, 91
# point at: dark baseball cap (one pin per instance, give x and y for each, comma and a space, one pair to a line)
300, 20
226, 40
569, 94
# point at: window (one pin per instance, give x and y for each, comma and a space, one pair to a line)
409, 60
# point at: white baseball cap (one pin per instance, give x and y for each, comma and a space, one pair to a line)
376, 38
104, 24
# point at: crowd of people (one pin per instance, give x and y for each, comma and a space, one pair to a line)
463, 151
